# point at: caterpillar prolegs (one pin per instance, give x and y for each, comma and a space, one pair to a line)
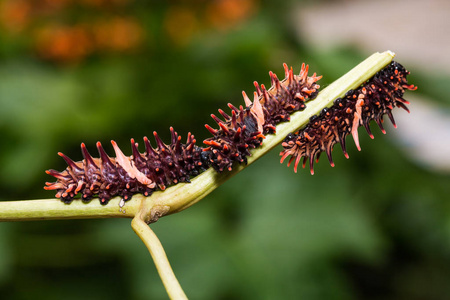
156, 168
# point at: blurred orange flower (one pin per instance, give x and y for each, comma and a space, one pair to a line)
181, 22
15, 15
56, 38
63, 43
224, 14
118, 34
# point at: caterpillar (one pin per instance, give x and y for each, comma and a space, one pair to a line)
166, 165
371, 101
106, 177
245, 128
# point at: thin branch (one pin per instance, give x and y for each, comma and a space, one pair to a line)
162, 264
55, 209
183, 195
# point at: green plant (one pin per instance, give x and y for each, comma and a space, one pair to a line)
146, 210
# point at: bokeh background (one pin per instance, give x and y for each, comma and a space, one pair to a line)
377, 226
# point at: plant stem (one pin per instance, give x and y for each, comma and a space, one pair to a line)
183, 195
145, 210
52, 209
162, 264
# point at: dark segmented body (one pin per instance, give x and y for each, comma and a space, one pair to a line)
166, 165
374, 99
246, 127
106, 177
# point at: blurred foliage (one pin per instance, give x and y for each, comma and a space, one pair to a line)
376, 226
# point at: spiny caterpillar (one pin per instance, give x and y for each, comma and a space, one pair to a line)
166, 165
245, 128
144, 173
375, 98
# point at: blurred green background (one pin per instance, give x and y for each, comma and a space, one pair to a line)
376, 226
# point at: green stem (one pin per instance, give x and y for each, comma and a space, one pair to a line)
183, 195
162, 264
55, 209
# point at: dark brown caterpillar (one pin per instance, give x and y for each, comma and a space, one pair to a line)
106, 177
165, 165
245, 128
375, 98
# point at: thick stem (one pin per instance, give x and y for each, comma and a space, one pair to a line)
183, 195
162, 264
